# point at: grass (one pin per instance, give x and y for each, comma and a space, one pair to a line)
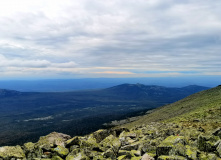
203, 107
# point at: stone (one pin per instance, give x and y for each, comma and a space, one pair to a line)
126, 134
56, 158
133, 146
191, 152
52, 140
101, 135
136, 153
218, 148
9, 152
118, 131
29, 147
171, 158
136, 158
61, 151
147, 157
171, 145
217, 132
110, 154
148, 148
124, 152
204, 145
111, 142
204, 156
73, 141
123, 157
78, 156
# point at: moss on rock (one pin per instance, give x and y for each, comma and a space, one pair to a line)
61, 151
171, 158
9, 152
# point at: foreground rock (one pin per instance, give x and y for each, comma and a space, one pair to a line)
154, 141
11, 152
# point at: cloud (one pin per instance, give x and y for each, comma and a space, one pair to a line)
136, 36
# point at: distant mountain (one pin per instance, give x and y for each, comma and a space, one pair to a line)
153, 92
61, 85
8, 93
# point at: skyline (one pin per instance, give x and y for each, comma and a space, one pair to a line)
112, 39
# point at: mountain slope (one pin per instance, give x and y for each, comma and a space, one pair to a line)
189, 129
202, 106
29, 114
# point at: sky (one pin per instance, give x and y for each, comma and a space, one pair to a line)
103, 38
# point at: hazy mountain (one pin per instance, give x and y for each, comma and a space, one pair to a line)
8, 93
54, 85
153, 92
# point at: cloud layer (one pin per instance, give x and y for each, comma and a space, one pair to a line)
118, 38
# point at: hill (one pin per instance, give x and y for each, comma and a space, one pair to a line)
204, 105
188, 129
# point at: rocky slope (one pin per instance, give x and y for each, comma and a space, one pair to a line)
189, 129
154, 141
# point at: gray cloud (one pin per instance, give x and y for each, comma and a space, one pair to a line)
136, 36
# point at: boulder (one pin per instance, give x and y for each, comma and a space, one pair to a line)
136, 158
128, 155
52, 140
218, 147
118, 131
147, 157
112, 143
171, 158
133, 146
77, 156
94, 154
31, 151
73, 141
61, 151
210, 156
217, 132
9, 152
191, 152
204, 144
136, 153
126, 134
110, 154
148, 148
101, 134
56, 158
172, 145
123, 157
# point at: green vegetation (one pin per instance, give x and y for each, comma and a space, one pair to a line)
203, 107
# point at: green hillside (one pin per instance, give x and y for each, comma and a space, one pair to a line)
203, 107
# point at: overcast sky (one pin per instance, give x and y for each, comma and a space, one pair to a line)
109, 38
